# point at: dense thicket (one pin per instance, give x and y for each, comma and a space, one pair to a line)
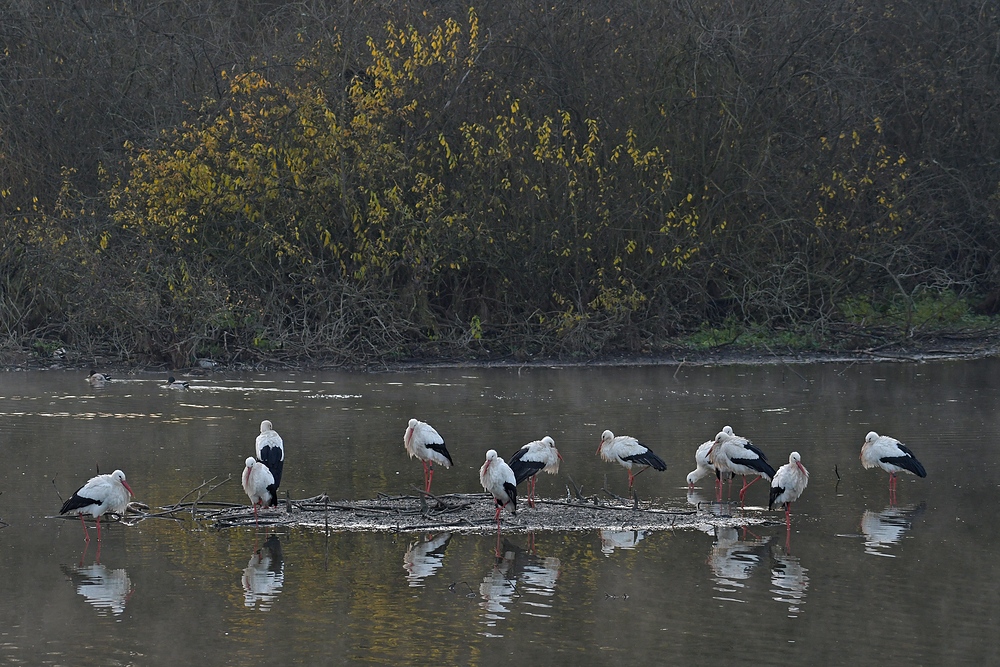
374, 179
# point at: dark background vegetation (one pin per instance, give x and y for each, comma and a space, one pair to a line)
385, 180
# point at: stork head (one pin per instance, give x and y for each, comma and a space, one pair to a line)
265, 426
606, 437
552, 445
120, 476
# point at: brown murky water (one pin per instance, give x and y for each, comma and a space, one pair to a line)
862, 583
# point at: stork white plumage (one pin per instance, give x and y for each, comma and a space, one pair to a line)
628, 452
532, 458
703, 466
256, 481
737, 455
892, 456
425, 443
788, 483
271, 452
498, 479
100, 495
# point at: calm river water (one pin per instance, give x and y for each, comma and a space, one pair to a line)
864, 583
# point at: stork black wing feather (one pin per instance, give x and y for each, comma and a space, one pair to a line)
440, 449
76, 502
647, 458
523, 469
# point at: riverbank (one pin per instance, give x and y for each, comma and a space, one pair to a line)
918, 348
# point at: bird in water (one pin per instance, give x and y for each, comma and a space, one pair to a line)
532, 458
179, 385
498, 479
100, 495
96, 379
630, 453
271, 452
257, 479
425, 443
703, 466
788, 483
737, 455
890, 455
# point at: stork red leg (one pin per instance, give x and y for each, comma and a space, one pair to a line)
86, 533
746, 486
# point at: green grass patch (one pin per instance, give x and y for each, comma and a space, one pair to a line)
927, 309
751, 336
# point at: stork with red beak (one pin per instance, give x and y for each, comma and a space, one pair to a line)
498, 479
100, 495
258, 482
630, 453
890, 455
424, 442
788, 484
535, 457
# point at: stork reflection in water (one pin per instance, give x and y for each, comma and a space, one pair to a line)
424, 557
789, 581
888, 527
105, 589
263, 576
733, 560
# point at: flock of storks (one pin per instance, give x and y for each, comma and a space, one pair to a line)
726, 456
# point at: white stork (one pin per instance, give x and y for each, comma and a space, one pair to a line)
498, 479
738, 456
702, 465
532, 458
100, 495
629, 452
425, 443
787, 485
892, 456
257, 480
271, 452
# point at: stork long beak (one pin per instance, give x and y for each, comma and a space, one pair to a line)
560, 455
802, 467
125, 484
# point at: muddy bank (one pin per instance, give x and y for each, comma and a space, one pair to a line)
938, 346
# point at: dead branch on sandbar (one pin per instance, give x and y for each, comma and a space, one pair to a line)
472, 513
